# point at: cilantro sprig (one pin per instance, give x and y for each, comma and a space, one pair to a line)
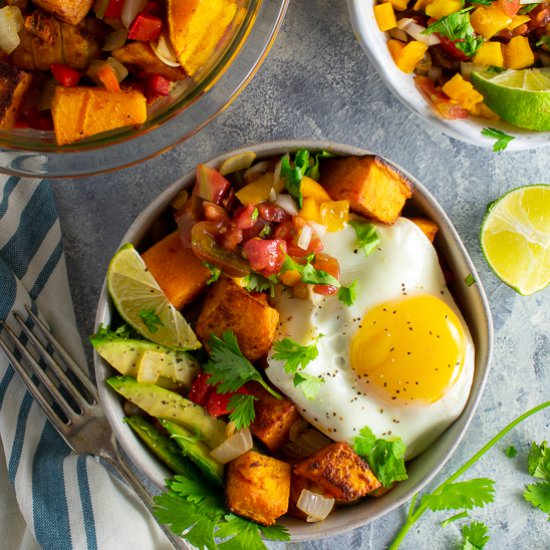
151, 320
254, 282
348, 294
242, 410
367, 236
196, 511
538, 465
474, 535
309, 274
215, 272
502, 139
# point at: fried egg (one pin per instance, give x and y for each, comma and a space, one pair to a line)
399, 360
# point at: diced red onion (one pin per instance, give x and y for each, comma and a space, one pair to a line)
412, 28
130, 10
319, 228
315, 506
255, 171
286, 202
305, 237
163, 50
233, 447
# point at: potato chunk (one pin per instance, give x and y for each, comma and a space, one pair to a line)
70, 11
339, 471
274, 417
180, 274
258, 487
13, 87
231, 307
372, 186
429, 228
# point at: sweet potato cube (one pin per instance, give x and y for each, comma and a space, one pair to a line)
13, 87
274, 417
373, 187
70, 11
80, 112
339, 471
429, 228
258, 487
177, 270
231, 307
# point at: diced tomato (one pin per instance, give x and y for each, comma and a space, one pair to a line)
540, 17
39, 120
290, 230
444, 105
253, 231
265, 255
186, 217
230, 237
210, 184
65, 75
245, 217
330, 265
114, 9
218, 403
145, 28
214, 212
449, 47
152, 8
285, 230
200, 390
509, 7
272, 213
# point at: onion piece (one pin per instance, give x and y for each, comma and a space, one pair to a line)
255, 171
164, 51
115, 40
402, 23
305, 237
317, 507
232, 447
319, 228
11, 22
130, 10
278, 182
412, 28
304, 440
272, 195
242, 161
121, 72
286, 202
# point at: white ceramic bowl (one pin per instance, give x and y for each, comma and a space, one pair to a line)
374, 42
471, 300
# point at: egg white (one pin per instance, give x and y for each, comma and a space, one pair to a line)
404, 264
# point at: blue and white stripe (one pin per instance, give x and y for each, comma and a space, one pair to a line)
49, 497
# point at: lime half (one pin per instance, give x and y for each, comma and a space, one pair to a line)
515, 238
520, 97
142, 304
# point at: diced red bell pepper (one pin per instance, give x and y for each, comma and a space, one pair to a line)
39, 120
65, 75
145, 28
509, 7
218, 403
246, 216
265, 255
330, 265
152, 8
201, 389
114, 9
156, 86
210, 184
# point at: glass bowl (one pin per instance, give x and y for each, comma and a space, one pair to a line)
470, 299
192, 104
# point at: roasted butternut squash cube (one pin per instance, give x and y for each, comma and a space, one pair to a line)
373, 187
13, 87
70, 11
339, 471
429, 228
258, 487
231, 307
180, 274
274, 417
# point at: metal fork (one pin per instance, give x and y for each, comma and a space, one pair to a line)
71, 404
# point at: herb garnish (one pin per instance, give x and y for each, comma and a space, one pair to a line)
242, 410
293, 172
502, 139
309, 384
367, 236
309, 274
469, 280
254, 282
474, 535
215, 272
150, 319
348, 294
511, 451
538, 465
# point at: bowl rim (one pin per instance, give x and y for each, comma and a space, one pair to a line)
467, 130
143, 460
215, 93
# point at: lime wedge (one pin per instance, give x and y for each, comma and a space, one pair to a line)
520, 97
515, 238
142, 304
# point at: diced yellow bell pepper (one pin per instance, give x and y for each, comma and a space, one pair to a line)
310, 210
441, 8
406, 56
310, 188
419, 5
290, 278
517, 53
399, 5
385, 16
256, 191
462, 91
334, 214
490, 53
488, 20
518, 20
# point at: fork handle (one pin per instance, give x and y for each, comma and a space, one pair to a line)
145, 498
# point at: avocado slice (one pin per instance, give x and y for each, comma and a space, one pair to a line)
163, 447
175, 368
162, 403
196, 451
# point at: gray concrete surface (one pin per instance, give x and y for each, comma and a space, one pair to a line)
317, 83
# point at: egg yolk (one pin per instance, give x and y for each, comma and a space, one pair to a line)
409, 350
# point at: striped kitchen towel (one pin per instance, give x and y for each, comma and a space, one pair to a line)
50, 498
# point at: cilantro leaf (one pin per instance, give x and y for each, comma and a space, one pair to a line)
538, 461
457, 27
450, 520
511, 451
527, 8
348, 294
295, 355
462, 494
482, 2
502, 139
309, 384
386, 457
242, 410
313, 170
244, 534
308, 273
275, 532
215, 272
293, 172
123, 331
254, 282
367, 236
469, 280
544, 41
229, 368
474, 535
150, 319
538, 494
265, 232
